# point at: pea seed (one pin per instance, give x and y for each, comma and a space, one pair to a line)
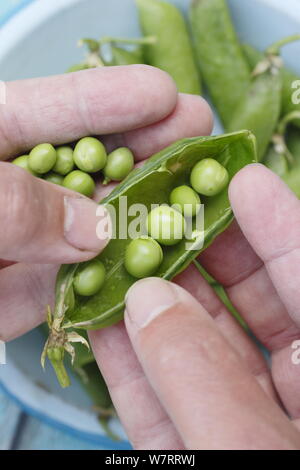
42, 158
90, 155
54, 178
186, 200
64, 163
119, 164
90, 278
22, 162
143, 257
80, 182
166, 225
209, 177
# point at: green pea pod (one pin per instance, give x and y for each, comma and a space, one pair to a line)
225, 71
221, 293
172, 51
84, 356
150, 184
276, 161
293, 143
260, 108
121, 56
292, 178
289, 78
95, 386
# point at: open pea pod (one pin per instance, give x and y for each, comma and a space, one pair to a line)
152, 184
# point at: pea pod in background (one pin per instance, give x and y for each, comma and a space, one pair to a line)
225, 70
289, 78
148, 185
118, 55
121, 56
292, 178
172, 51
283, 156
95, 386
260, 108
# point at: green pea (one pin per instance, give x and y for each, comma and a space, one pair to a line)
22, 162
143, 257
186, 199
90, 155
54, 178
166, 225
80, 182
209, 177
64, 162
119, 164
42, 158
89, 278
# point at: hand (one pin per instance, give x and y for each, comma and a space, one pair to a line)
43, 225
186, 375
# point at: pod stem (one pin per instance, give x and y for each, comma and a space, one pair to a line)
147, 40
60, 341
278, 139
286, 120
61, 373
274, 49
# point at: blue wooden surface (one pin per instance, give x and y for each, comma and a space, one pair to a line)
18, 430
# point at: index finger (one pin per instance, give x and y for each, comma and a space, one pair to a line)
64, 108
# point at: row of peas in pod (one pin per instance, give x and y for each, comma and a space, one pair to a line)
165, 226
72, 167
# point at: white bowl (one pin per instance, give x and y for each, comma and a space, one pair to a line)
41, 40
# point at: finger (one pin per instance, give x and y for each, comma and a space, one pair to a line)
277, 245
45, 223
239, 340
233, 262
143, 417
191, 117
26, 290
203, 382
64, 108
270, 220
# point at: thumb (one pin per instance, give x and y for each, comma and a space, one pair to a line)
45, 223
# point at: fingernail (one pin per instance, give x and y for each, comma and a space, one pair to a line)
81, 224
149, 298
